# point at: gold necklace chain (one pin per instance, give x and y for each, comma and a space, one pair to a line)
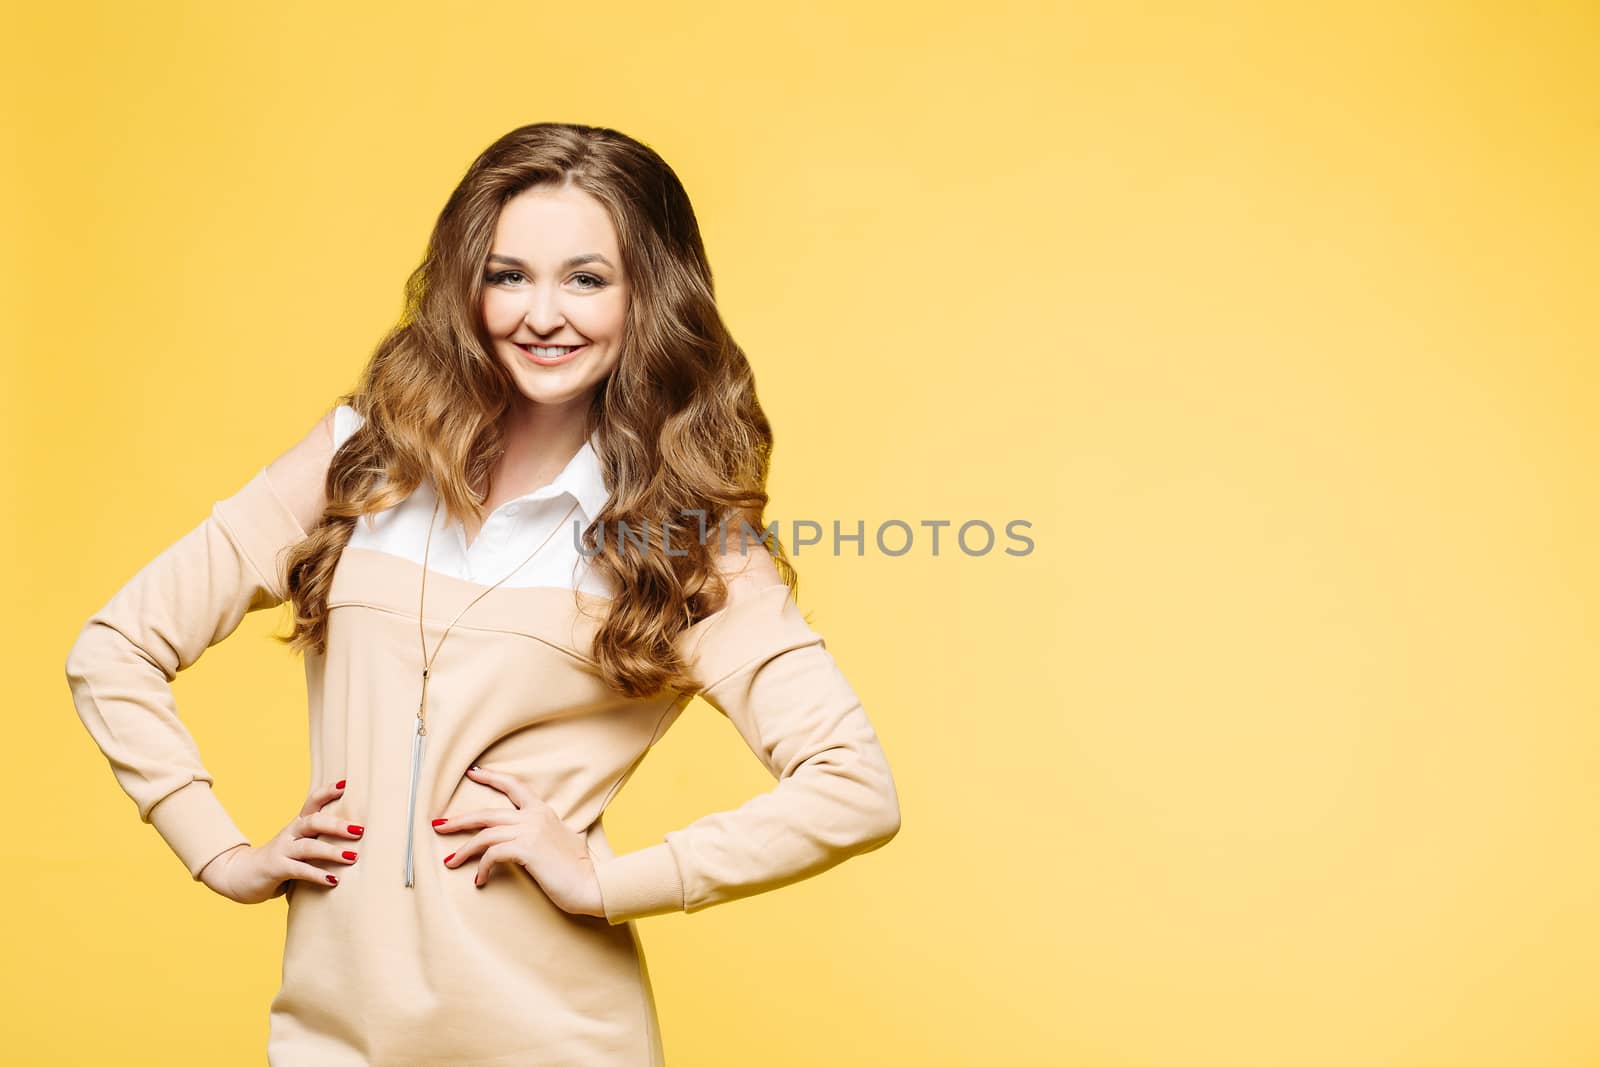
427, 660
419, 735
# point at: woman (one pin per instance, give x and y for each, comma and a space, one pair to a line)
487, 660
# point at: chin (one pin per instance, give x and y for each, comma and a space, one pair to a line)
545, 395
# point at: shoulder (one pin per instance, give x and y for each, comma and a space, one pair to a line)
299, 475
745, 568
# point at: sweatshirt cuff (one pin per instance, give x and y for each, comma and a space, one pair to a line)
640, 883
195, 825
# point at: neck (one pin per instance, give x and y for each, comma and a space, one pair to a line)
539, 441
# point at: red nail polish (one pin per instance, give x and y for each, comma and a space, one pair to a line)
349, 855
450, 857
357, 830
332, 880
339, 784
436, 822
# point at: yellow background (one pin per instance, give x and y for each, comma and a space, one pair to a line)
1276, 321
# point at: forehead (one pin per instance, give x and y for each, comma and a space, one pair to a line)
549, 225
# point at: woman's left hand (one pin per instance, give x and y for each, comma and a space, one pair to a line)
532, 835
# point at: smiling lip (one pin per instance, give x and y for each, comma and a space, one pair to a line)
546, 361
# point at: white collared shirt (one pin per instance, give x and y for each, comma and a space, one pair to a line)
509, 533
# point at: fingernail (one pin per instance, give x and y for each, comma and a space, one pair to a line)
349, 855
475, 767
439, 822
332, 880
357, 830
450, 857
339, 784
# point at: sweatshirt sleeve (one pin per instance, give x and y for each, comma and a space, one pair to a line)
120, 668
760, 664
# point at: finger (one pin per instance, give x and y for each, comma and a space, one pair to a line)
309, 848
474, 820
322, 796
477, 844
504, 782
305, 872
492, 856
326, 823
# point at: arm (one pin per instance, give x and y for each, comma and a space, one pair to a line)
190, 597
763, 667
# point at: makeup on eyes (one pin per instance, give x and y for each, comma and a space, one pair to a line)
496, 277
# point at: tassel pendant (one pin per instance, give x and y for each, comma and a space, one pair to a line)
418, 745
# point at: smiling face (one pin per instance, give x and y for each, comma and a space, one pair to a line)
554, 296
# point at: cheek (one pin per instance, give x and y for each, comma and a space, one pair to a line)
499, 315
611, 318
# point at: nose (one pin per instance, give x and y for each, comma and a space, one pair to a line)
543, 313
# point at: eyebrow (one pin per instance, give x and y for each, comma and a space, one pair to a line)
575, 261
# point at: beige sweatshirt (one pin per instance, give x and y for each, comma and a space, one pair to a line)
376, 971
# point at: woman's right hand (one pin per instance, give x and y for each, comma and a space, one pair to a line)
251, 874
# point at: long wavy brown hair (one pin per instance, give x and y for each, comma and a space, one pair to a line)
679, 426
